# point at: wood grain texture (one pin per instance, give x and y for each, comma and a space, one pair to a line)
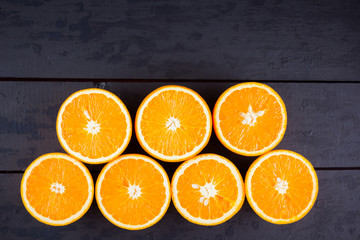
335, 215
28, 120
190, 39
323, 120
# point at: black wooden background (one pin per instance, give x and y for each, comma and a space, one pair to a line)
308, 51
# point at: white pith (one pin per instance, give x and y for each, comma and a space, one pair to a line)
281, 185
207, 191
257, 164
174, 157
251, 116
172, 124
134, 191
57, 188
166, 184
47, 220
210, 191
94, 128
217, 121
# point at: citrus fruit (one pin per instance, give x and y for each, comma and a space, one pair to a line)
57, 189
94, 126
250, 119
173, 123
207, 189
281, 186
133, 192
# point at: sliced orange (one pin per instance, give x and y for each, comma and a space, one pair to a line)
207, 189
56, 189
133, 192
250, 119
94, 126
173, 123
281, 186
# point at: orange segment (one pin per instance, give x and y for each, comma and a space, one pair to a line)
133, 192
207, 189
94, 126
250, 119
281, 186
173, 123
57, 189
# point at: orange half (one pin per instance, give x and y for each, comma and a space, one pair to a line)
173, 123
250, 119
281, 186
56, 189
94, 126
207, 189
133, 192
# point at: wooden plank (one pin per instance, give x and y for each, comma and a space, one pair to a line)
335, 215
268, 40
323, 120
28, 120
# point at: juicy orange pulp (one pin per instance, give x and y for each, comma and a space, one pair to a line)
200, 174
43, 200
173, 123
115, 189
281, 186
298, 194
133, 191
57, 189
246, 136
158, 115
97, 109
207, 189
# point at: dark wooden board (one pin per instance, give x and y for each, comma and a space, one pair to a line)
323, 120
189, 39
335, 215
308, 51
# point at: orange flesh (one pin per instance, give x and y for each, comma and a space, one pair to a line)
181, 106
105, 112
53, 205
116, 199
267, 126
207, 171
298, 194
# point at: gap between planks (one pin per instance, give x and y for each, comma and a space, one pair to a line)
95, 80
